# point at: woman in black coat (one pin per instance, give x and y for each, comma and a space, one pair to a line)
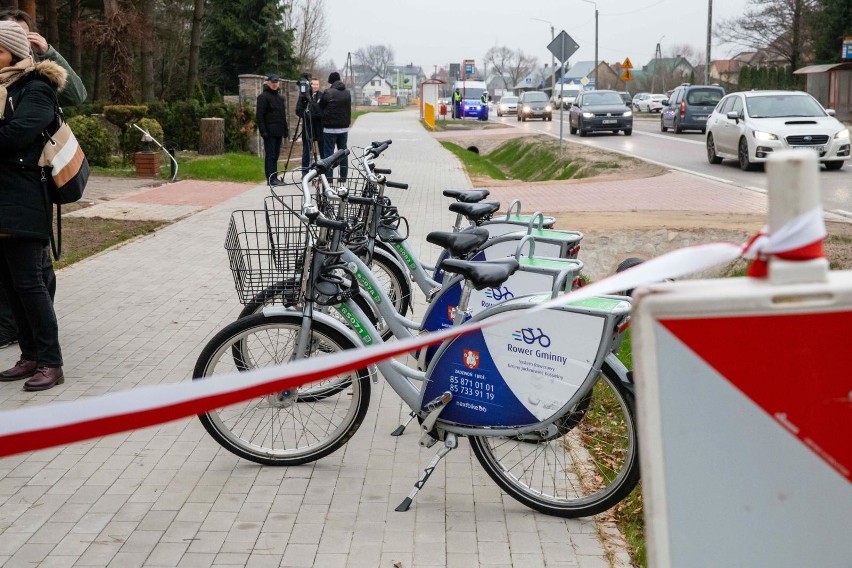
27, 110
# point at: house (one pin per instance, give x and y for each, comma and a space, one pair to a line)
668, 72
534, 81
577, 72
831, 85
375, 87
725, 71
407, 78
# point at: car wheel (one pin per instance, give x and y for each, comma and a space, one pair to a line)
662, 125
523, 119
834, 165
550, 118
499, 114
743, 156
628, 131
677, 127
711, 151
571, 129
519, 117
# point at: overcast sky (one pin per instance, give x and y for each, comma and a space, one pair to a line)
430, 33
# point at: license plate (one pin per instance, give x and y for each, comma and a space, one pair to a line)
700, 118
609, 121
814, 148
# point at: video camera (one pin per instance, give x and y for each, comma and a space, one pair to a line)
305, 85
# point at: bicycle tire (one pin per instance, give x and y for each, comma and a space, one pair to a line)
278, 418
582, 480
395, 283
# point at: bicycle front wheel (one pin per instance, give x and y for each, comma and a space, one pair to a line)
587, 466
290, 427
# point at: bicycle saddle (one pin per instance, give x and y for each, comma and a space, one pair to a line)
475, 211
467, 195
482, 274
459, 244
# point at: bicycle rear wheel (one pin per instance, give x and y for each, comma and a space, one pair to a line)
588, 466
290, 427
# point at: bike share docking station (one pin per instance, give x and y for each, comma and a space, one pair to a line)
745, 410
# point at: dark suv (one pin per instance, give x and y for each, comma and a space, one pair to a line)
596, 111
689, 106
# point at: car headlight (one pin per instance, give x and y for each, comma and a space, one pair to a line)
588, 115
526, 108
758, 135
842, 135
628, 113
548, 108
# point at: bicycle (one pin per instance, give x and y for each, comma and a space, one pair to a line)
534, 426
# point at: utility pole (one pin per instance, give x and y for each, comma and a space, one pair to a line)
709, 28
552, 57
597, 86
657, 56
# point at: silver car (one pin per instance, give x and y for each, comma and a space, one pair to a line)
507, 105
749, 126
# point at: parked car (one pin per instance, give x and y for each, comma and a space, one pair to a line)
596, 111
689, 106
507, 105
534, 104
651, 103
625, 96
749, 126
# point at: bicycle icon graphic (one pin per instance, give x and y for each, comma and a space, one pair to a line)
529, 336
499, 294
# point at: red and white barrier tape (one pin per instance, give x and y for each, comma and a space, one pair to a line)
799, 239
29, 429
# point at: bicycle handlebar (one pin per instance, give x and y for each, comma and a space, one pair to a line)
385, 142
376, 150
326, 164
382, 171
396, 185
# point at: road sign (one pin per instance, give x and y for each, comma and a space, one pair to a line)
455, 70
626, 75
584, 81
626, 63
469, 67
847, 47
563, 46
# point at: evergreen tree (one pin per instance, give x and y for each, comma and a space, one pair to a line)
246, 36
744, 81
831, 23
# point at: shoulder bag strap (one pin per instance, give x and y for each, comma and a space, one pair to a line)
55, 242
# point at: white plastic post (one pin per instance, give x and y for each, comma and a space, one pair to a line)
794, 190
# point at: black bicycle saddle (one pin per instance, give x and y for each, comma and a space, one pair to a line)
484, 273
459, 244
467, 195
475, 211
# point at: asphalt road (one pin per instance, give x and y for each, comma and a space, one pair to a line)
686, 152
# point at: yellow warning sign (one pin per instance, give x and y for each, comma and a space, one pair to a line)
626, 75
626, 63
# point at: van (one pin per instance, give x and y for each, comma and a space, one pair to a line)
567, 94
689, 106
471, 104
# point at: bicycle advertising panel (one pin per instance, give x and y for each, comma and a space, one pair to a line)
520, 373
745, 414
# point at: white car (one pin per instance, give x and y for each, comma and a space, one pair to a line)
507, 105
749, 126
652, 103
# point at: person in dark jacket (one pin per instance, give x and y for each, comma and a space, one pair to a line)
309, 111
272, 124
74, 93
336, 105
27, 109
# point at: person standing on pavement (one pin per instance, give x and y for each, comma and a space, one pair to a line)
272, 124
336, 105
28, 93
457, 104
309, 111
74, 93
483, 101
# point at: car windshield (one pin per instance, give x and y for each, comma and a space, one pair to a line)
602, 99
783, 105
472, 93
535, 98
509, 100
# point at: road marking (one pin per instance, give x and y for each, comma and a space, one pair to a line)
842, 213
664, 137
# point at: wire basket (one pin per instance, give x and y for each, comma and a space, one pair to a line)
266, 252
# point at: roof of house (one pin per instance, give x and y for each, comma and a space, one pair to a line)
534, 80
726, 65
578, 71
668, 63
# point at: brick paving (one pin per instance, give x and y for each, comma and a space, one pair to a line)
139, 314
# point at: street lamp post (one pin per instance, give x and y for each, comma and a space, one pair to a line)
552, 58
596, 40
709, 28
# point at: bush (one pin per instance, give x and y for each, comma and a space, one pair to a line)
123, 115
94, 138
133, 138
183, 125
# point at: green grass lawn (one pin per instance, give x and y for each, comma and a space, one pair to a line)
475, 164
233, 166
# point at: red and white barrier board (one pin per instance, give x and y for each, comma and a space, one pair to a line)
745, 420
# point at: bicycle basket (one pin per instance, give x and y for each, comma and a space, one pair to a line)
266, 264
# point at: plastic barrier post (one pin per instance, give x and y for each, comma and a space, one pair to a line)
745, 403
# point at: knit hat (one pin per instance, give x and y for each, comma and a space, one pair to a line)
14, 39
334, 77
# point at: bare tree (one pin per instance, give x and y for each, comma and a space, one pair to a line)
376, 58
307, 19
694, 55
778, 26
510, 65
195, 45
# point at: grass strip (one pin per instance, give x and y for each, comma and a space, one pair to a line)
475, 164
83, 237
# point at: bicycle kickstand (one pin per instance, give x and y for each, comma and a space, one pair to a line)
401, 428
450, 442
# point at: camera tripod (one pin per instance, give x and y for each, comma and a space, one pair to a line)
297, 134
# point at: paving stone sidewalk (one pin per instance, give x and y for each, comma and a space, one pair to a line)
139, 315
